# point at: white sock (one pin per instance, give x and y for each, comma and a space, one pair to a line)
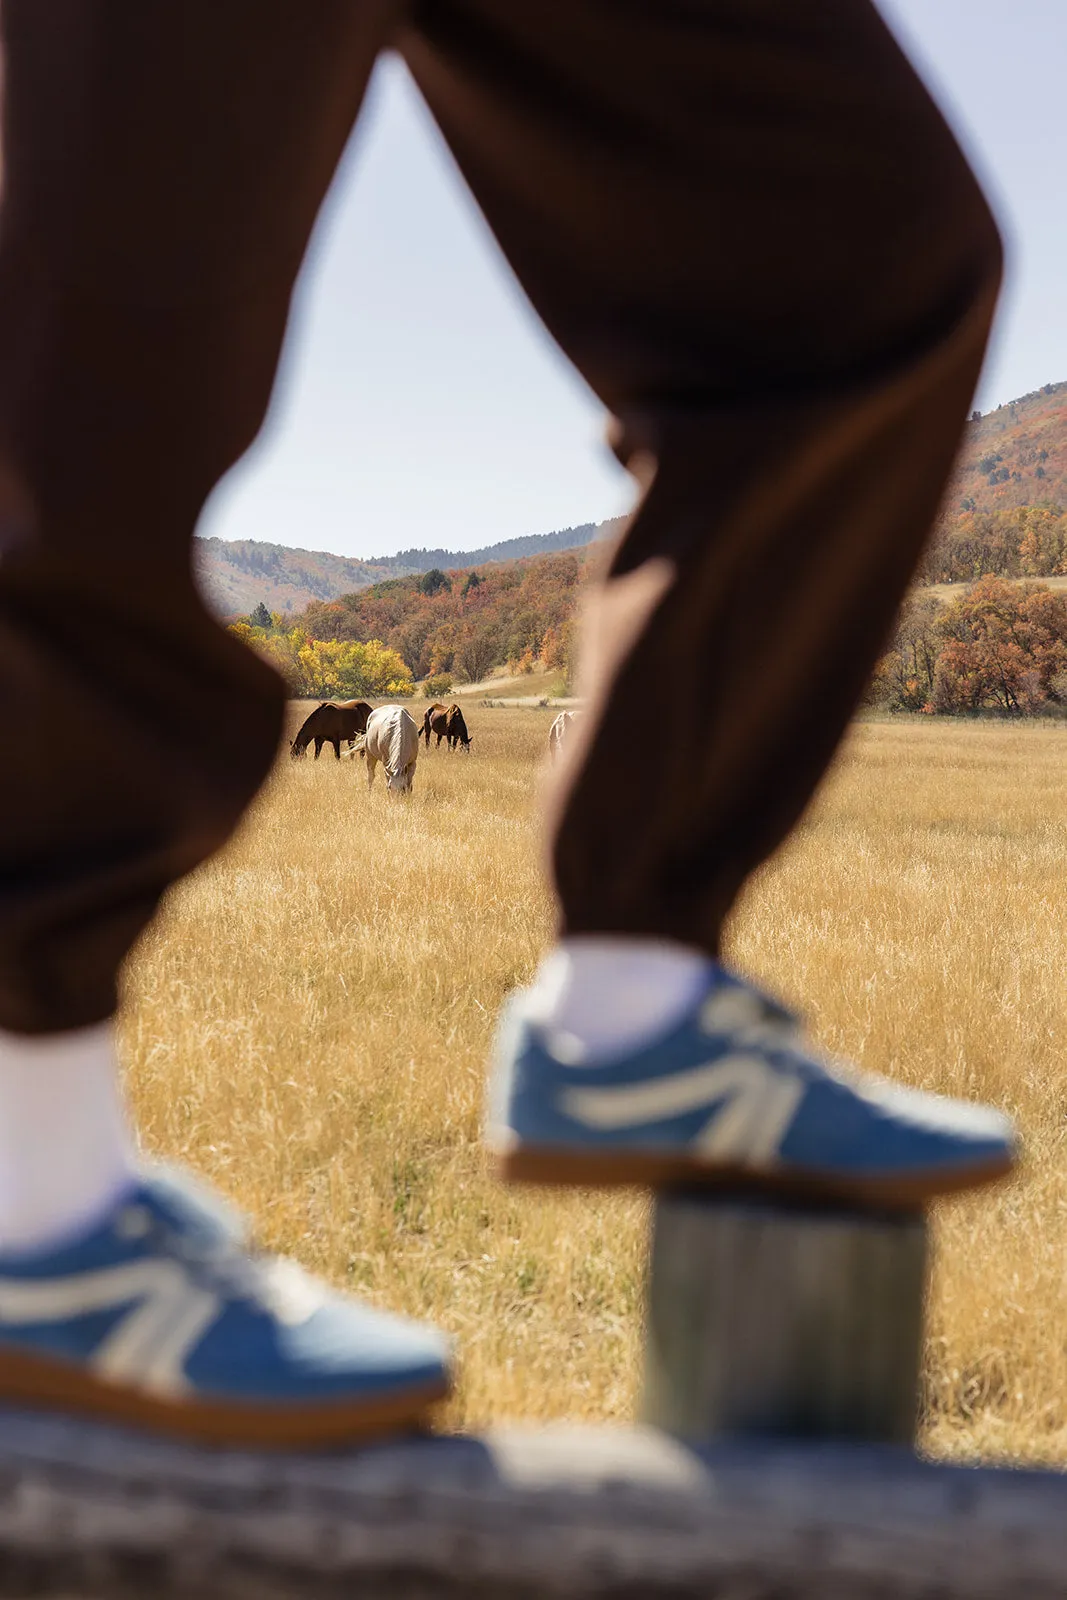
612, 995
66, 1154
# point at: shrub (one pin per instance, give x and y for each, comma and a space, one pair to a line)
437, 685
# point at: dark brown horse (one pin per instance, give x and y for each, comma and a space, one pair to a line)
457, 730
329, 723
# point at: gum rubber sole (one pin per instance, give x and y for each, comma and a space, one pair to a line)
556, 1167
40, 1383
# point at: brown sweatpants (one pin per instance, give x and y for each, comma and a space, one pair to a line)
744, 222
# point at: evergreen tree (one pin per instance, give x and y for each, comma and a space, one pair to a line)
434, 581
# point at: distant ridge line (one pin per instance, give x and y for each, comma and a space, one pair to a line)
236, 575
507, 549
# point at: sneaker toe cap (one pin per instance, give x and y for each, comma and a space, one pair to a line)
341, 1349
885, 1128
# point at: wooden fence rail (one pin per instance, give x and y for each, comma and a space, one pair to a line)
90, 1513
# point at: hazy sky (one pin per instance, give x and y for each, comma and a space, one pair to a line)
419, 401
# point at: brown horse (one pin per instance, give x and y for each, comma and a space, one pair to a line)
329, 723
446, 723
435, 721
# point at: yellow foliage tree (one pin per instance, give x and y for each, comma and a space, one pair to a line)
330, 669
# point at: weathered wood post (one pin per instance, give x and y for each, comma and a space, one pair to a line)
765, 1317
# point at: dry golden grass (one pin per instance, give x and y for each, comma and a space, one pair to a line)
952, 591
308, 1024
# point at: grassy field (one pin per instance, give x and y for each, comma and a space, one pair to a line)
952, 591
308, 1022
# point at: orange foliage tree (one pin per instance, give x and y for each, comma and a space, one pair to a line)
997, 646
1005, 645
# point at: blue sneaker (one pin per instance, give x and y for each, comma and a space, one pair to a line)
730, 1097
161, 1317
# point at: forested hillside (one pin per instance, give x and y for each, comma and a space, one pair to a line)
466, 622
447, 627
238, 575
1006, 509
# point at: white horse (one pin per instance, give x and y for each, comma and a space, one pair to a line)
557, 733
393, 739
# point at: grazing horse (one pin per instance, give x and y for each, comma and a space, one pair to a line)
436, 712
456, 730
393, 739
557, 733
329, 723
446, 724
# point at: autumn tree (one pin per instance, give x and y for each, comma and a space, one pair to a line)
440, 646
330, 669
1042, 540
477, 651
1004, 646
904, 677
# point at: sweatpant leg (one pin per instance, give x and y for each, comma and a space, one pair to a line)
749, 228
163, 165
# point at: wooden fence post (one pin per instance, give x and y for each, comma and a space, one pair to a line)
771, 1318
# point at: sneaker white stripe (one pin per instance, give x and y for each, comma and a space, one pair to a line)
756, 1105
28, 1300
149, 1346
160, 1368
750, 1126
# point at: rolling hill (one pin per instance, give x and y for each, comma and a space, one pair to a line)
1014, 456
1005, 510
236, 575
